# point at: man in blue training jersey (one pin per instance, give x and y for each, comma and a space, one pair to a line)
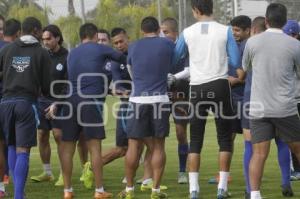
11, 33
274, 60
211, 47
148, 117
257, 27
86, 75
25, 66
292, 29
179, 97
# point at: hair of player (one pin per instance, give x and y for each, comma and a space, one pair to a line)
104, 32
55, 31
150, 25
12, 27
204, 6
171, 22
116, 31
30, 24
259, 23
241, 21
88, 31
276, 15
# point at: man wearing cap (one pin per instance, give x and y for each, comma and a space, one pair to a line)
292, 29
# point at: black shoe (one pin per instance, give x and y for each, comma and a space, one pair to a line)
287, 191
247, 195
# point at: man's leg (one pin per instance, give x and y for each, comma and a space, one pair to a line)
113, 154
82, 150
256, 168
247, 157
132, 161
158, 161
57, 134
183, 150
21, 171
45, 155
284, 160
68, 148
295, 148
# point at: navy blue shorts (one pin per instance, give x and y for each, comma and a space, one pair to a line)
121, 134
19, 119
148, 120
86, 118
46, 124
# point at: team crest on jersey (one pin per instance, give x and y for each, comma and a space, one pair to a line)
108, 66
20, 63
59, 67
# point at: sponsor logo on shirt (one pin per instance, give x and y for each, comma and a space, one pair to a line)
20, 63
59, 67
108, 66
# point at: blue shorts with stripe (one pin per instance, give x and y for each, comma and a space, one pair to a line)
19, 121
85, 117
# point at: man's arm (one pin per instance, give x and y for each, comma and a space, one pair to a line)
116, 55
232, 50
297, 61
180, 51
246, 61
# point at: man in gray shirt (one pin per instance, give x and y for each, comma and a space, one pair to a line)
274, 59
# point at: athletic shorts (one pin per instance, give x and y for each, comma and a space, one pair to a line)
148, 120
46, 124
86, 117
286, 129
19, 119
180, 98
121, 134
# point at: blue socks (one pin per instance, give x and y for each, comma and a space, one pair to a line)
284, 160
12, 158
183, 150
21, 172
247, 157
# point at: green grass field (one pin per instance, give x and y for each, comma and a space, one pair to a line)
114, 172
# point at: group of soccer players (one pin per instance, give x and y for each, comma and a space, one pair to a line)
246, 75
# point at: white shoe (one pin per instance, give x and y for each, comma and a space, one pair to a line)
124, 181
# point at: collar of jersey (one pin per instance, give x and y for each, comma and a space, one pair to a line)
274, 30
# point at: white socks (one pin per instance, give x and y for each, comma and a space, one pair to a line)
129, 189
2, 187
193, 180
156, 190
100, 190
255, 195
68, 190
147, 181
223, 180
47, 169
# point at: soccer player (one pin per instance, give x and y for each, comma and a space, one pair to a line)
52, 39
274, 60
86, 74
211, 47
258, 26
292, 29
169, 27
103, 37
119, 72
11, 33
148, 117
26, 67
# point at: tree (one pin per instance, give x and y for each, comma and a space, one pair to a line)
6, 5
70, 29
71, 7
21, 12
